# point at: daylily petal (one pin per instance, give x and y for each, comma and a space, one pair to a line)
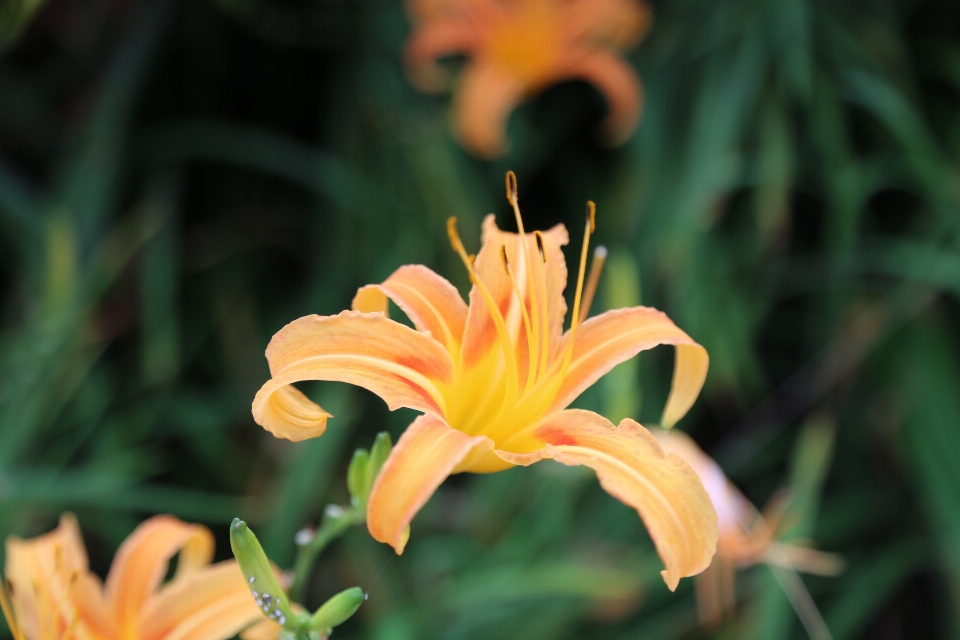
727, 500
436, 39
140, 564
211, 604
618, 83
481, 106
96, 614
406, 368
428, 299
604, 341
633, 468
480, 334
427, 452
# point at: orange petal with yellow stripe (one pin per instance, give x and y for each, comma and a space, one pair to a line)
604, 341
632, 467
427, 452
428, 299
406, 368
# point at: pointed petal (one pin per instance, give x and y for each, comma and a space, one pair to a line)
213, 603
480, 334
140, 564
427, 452
632, 467
406, 368
618, 83
481, 106
436, 39
604, 341
428, 299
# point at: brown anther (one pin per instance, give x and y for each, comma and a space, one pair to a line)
9, 586
512, 195
592, 215
539, 238
503, 259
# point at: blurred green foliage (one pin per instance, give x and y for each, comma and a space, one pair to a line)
180, 179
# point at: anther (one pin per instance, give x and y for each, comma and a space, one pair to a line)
503, 259
539, 238
512, 195
592, 215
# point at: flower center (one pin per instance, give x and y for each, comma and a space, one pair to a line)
526, 43
503, 407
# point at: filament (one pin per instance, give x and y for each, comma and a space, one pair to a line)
557, 381
545, 347
534, 338
575, 318
531, 347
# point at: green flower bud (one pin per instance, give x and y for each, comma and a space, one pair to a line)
379, 453
337, 609
259, 575
357, 477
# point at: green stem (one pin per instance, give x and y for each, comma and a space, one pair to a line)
331, 528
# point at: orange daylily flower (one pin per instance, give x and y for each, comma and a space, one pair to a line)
517, 48
747, 537
493, 380
54, 596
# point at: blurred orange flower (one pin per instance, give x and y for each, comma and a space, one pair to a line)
746, 537
493, 380
516, 48
55, 597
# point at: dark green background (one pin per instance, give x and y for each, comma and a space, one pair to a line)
179, 179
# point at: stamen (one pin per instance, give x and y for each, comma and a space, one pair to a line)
531, 348
510, 361
532, 338
542, 282
596, 267
512, 194
575, 318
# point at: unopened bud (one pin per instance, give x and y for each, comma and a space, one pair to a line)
337, 609
357, 476
259, 575
379, 453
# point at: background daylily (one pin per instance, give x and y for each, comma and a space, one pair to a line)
746, 536
517, 48
56, 597
493, 380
